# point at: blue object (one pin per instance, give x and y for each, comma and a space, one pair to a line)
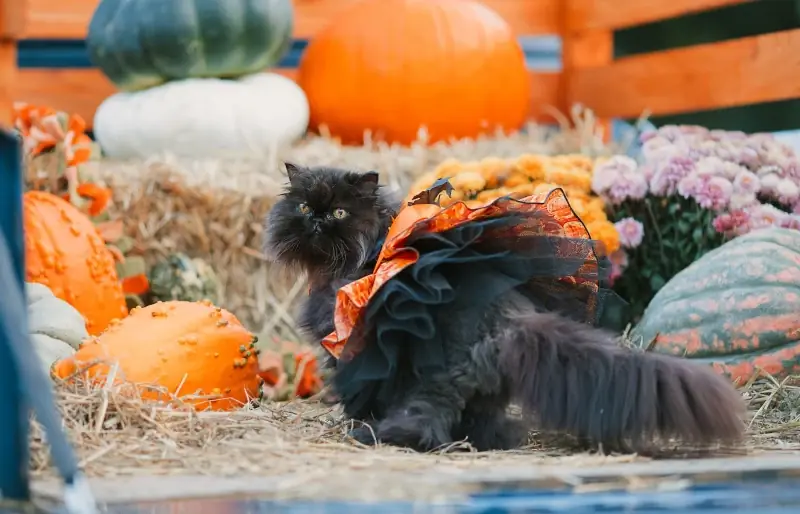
14, 408
541, 53
748, 496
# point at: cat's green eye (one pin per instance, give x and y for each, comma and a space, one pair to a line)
303, 208
339, 213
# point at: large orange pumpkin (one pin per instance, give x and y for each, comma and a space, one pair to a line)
194, 350
391, 66
65, 252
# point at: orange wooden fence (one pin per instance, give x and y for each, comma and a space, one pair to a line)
724, 74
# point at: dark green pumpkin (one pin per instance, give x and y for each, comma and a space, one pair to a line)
737, 308
143, 43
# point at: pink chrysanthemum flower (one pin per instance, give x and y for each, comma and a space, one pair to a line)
746, 182
732, 223
667, 175
631, 232
619, 261
714, 193
765, 215
618, 179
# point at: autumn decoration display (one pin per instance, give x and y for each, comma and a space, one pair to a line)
391, 67
60, 136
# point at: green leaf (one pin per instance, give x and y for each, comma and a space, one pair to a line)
697, 236
657, 282
124, 244
132, 266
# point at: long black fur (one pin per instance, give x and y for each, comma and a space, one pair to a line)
567, 376
343, 251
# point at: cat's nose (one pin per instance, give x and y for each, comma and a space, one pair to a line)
316, 228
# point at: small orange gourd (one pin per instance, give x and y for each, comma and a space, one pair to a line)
391, 66
192, 349
64, 252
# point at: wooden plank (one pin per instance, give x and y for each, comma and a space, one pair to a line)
727, 74
8, 70
616, 14
82, 90
78, 91
12, 18
545, 96
69, 19
588, 49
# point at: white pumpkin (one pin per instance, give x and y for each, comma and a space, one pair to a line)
55, 327
203, 118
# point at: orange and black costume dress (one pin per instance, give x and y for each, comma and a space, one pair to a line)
434, 258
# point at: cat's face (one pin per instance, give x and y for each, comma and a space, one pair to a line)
327, 221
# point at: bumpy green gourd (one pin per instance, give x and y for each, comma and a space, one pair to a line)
179, 277
736, 308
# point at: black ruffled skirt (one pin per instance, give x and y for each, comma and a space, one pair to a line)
466, 269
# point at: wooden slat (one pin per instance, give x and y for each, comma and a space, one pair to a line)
8, 71
589, 49
12, 18
545, 96
615, 14
69, 19
81, 91
727, 74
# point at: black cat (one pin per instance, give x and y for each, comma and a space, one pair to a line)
329, 223
566, 375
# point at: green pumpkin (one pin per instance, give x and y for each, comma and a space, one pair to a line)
179, 277
737, 308
143, 43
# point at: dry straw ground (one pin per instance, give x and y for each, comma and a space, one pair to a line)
303, 444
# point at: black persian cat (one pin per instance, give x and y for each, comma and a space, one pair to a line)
566, 375
330, 223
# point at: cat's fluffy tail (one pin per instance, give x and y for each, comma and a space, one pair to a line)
574, 378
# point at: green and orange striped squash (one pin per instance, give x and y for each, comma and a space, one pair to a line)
737, 308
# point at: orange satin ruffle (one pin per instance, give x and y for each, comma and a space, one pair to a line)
558, 220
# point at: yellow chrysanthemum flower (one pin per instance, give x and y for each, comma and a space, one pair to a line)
478, 183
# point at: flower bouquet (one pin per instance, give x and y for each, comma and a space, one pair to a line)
691, 190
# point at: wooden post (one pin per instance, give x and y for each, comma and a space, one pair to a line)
582, 48
14, 409
12, 19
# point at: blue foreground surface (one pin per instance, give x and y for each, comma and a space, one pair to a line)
762, 497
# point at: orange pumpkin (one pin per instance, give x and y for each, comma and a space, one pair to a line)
194, 350
391, 66
65, 252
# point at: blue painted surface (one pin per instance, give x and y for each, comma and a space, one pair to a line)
542, 53
764, 497
13, 408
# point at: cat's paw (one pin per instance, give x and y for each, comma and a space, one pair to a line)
500, 433
364, 435
417, 432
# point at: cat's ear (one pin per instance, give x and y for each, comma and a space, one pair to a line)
369, 178
292, 171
